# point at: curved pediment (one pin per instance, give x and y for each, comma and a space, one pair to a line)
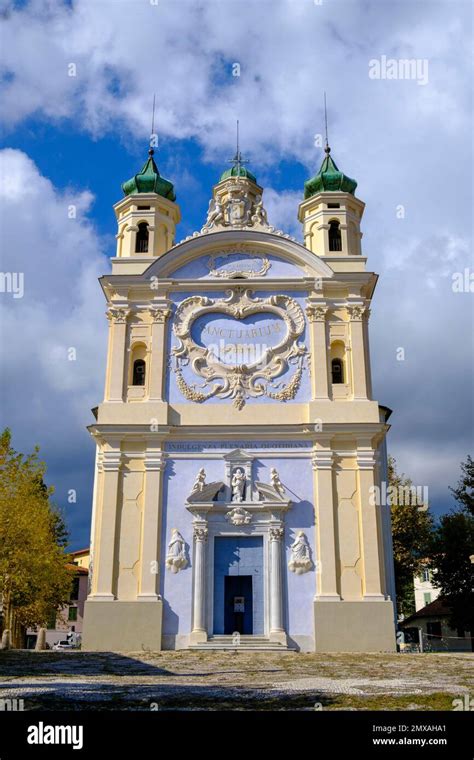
238, 254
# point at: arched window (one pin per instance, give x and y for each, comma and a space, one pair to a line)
335, 240
142, 238
337, 371
139, 368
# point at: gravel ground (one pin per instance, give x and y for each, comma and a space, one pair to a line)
234, 680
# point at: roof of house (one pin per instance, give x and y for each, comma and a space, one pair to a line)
77, 569
438, 608
80, 551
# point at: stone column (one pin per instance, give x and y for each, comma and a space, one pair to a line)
158, 352
151, 527
319, 351
358, 348
117, 369
344, 239
199, 632
326, 538
277, 631
369, 518
104, 558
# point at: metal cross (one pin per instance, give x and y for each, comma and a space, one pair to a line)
238, 161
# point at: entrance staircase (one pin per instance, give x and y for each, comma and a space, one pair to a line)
246, 644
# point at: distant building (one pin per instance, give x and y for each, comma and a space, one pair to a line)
425, 592
69, 619
438, 636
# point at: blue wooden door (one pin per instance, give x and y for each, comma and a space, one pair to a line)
238, 557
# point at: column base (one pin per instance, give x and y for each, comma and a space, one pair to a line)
198, 637
279, 637
116, 626
359, 626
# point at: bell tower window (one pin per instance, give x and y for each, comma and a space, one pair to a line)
337, 371
142, 238
335, 240
139, 368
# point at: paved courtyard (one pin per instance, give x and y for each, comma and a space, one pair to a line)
235, 681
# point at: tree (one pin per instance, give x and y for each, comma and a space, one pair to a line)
412, 526
452, 548
34, 580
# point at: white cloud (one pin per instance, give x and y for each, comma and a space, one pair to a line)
46, 397
405, 144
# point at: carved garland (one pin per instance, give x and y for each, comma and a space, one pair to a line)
242, 381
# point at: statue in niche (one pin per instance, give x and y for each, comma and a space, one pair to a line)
300, 561
238, 485
176, 556
200, 481
276, 482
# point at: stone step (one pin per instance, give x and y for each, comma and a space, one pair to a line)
247, 643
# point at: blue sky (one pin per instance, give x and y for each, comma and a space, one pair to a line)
75, 139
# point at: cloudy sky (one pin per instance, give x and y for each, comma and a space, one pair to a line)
77, 82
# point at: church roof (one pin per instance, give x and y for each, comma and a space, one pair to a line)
238, 171
329, 178
148, 180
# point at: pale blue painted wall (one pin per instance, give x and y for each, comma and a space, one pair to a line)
176, 589
198, 269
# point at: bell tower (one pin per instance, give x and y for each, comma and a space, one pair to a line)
330, 212
147, 217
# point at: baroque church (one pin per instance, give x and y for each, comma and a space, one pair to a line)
238, 445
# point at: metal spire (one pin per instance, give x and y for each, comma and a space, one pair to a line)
327, 149
238, 161
151, 149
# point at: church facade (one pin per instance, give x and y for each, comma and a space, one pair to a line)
238, 445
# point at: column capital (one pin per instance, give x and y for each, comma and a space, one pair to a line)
276, 533
316, 312
117, 314
159, 314
366, 459
322, 460
356, 312
111, 460
200, 533
155, 460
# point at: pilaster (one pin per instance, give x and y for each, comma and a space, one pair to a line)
155, 464
326, 530
116, 371
104, 559
316, 313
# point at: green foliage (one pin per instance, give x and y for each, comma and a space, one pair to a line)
33, 574
452, 547
411, 532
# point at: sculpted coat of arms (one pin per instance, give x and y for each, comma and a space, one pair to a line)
230, 368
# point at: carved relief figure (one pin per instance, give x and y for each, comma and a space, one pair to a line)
239, 516
300, 561
276, 482
176, 556
259, 215
200, 481
238, 485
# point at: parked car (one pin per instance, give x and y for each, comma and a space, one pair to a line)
64, 645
